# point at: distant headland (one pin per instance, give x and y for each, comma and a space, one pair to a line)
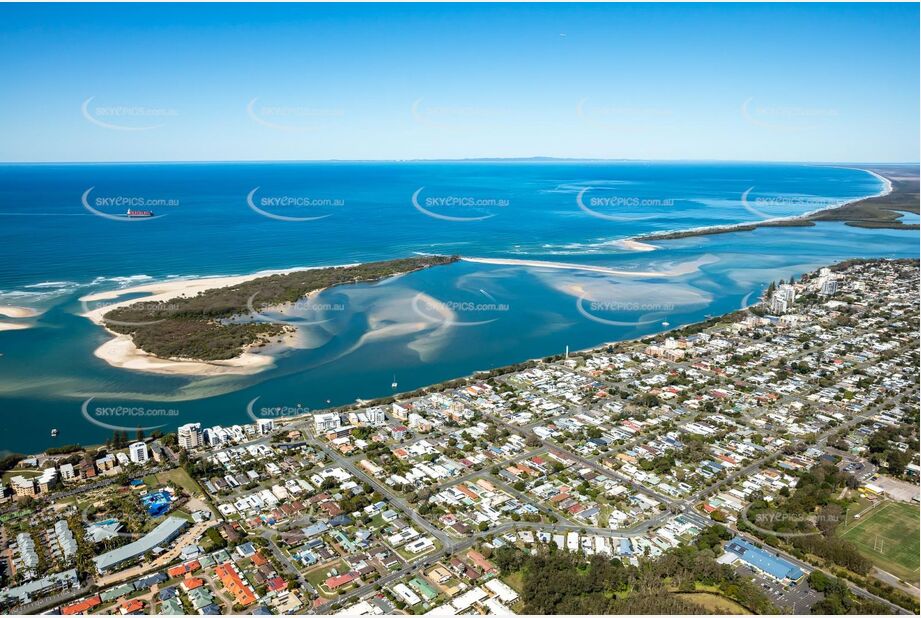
880, 211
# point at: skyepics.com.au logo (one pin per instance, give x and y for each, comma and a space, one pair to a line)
263, 413
616, 312
131, 208
302, 312
785, 117
604, 204
770, 207
282, 207
456, 207
291, 117
128, 417
622, 118
126, 117
746, 304
165, 309
480, 310
766, 522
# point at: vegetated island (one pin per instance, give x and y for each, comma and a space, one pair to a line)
879, 211
213, 325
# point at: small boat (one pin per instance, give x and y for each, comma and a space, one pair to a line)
54, 433
665, 324
393, 384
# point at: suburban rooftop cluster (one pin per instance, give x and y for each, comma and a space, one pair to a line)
626, 451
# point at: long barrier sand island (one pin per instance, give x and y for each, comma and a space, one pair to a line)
203, 326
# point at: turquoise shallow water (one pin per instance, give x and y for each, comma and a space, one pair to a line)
417, 329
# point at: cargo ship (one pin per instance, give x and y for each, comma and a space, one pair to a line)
139, 213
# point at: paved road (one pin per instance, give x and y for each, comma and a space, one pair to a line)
82, 489
686, 506
805, 567
47, 602
383, 490
161, 561
467, 543
895, 582
282, 558
640, 529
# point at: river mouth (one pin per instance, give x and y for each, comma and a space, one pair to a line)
513, 303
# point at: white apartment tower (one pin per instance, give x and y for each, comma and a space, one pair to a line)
137, 452
189, 436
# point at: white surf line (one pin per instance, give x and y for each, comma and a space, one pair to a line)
887, 184
733, 227
681, 269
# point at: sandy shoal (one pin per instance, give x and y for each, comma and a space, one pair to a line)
14, 326
123, 353
635, 245
674, 271
12, 311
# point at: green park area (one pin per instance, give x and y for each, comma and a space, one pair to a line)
887, 535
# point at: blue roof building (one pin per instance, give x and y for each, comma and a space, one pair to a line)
149, 580
157, 503
766, 562
167, 593
340, 520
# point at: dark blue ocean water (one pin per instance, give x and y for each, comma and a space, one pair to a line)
63, 235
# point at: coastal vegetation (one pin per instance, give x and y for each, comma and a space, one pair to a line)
838, 599
213, 324
556, 581
808, 525
881, 211
806, 520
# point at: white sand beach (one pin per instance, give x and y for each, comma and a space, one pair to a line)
121, 351
676, 270
14, 326
12, 311
709, 229
635, 245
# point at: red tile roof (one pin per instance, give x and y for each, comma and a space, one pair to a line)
340, 580
81, 607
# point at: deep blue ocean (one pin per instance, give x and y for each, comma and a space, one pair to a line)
64, 234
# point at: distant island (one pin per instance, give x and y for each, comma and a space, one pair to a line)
207, 326
879, 211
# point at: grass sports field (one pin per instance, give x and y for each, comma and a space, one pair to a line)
888, 536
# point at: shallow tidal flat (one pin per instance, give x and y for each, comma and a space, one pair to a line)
216, 326
538, 276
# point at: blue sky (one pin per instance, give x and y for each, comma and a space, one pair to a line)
784, 82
